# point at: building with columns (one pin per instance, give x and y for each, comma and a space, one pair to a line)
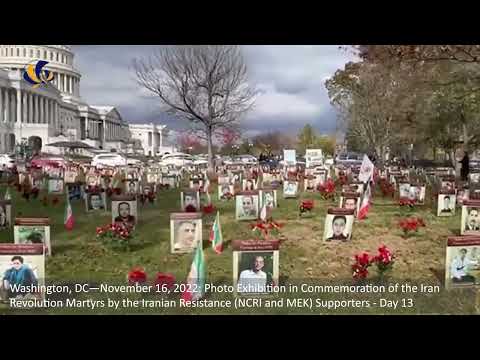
150, 139
53, 112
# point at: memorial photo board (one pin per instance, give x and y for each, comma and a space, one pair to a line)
446, 203
247, 205
462, 264
185, 232
338, 224
95, 200
470, 221
290, 189
255, 266
225, 191
190, 198
268, 197
55, 186
25, 259
33, 231
351, 201
124, 210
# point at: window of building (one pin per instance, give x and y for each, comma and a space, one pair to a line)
38, 53
51, 56
11, 51
24, 52
31, 53
57, 56
45, 54
18, 52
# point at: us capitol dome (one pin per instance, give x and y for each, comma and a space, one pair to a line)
52, 112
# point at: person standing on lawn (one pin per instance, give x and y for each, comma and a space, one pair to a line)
465, 166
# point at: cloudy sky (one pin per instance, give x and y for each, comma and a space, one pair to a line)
291, 80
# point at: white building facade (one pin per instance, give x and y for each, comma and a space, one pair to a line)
149, 139
53, 112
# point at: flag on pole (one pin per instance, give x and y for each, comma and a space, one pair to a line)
68, 221
216, 236
7, 194
195, 288
263, 213
365, 206
366, 170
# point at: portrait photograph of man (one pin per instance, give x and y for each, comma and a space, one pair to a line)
446, 204
338, 224
185, 232
470, 224
462, 262
225, 191
95, 201
124, 212
246, 206
351, 202
132, 187
38, 233
255, 272
290, 189
190, 200
55, 186
21, 269
75, 192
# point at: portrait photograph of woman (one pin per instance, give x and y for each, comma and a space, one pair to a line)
268, 197
249, 185
185, 232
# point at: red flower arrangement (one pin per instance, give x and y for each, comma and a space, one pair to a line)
208, 209
404, 201
384, 261
137, 276
190, 208
387, 188
264, 228
115, 235
327, 190
411, 224
361, 265
306, 205
164, 281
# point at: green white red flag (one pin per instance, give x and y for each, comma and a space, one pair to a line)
68, 221
195, 284
216, 235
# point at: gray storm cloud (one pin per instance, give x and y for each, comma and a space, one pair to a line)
291, 80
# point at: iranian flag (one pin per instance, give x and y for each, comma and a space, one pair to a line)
68, 220
365, 206
216, 235
195, 288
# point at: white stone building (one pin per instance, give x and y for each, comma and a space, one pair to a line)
149, 139
53, 112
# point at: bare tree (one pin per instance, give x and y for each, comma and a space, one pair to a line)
206, 85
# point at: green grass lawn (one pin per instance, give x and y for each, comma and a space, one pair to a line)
304, 257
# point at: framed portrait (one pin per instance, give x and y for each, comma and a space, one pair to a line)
225, 191
462, 264
185, 232
474, 177
417, 192
446, 204
470, 224
95, 201
448, 185
148, 189
92, 180
255, 266
351, 201
5, 214
33, 231
196, 184
403, 190
27, 260
170, 180
223, 180
70, 176
268, 197
290, 189
338, 224
463, 194
75, 191
132, 186
309, 184
246, 205
38, 183
249, 185
124, 211
190, 198
55, 186
236, 177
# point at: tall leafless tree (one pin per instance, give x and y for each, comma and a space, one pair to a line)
206, 85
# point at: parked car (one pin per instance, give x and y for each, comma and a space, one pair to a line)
6, 162
42, 161
177, 160
109, 159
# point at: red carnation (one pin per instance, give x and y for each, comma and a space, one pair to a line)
190, 208
208, 209
164, 280
137, 275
